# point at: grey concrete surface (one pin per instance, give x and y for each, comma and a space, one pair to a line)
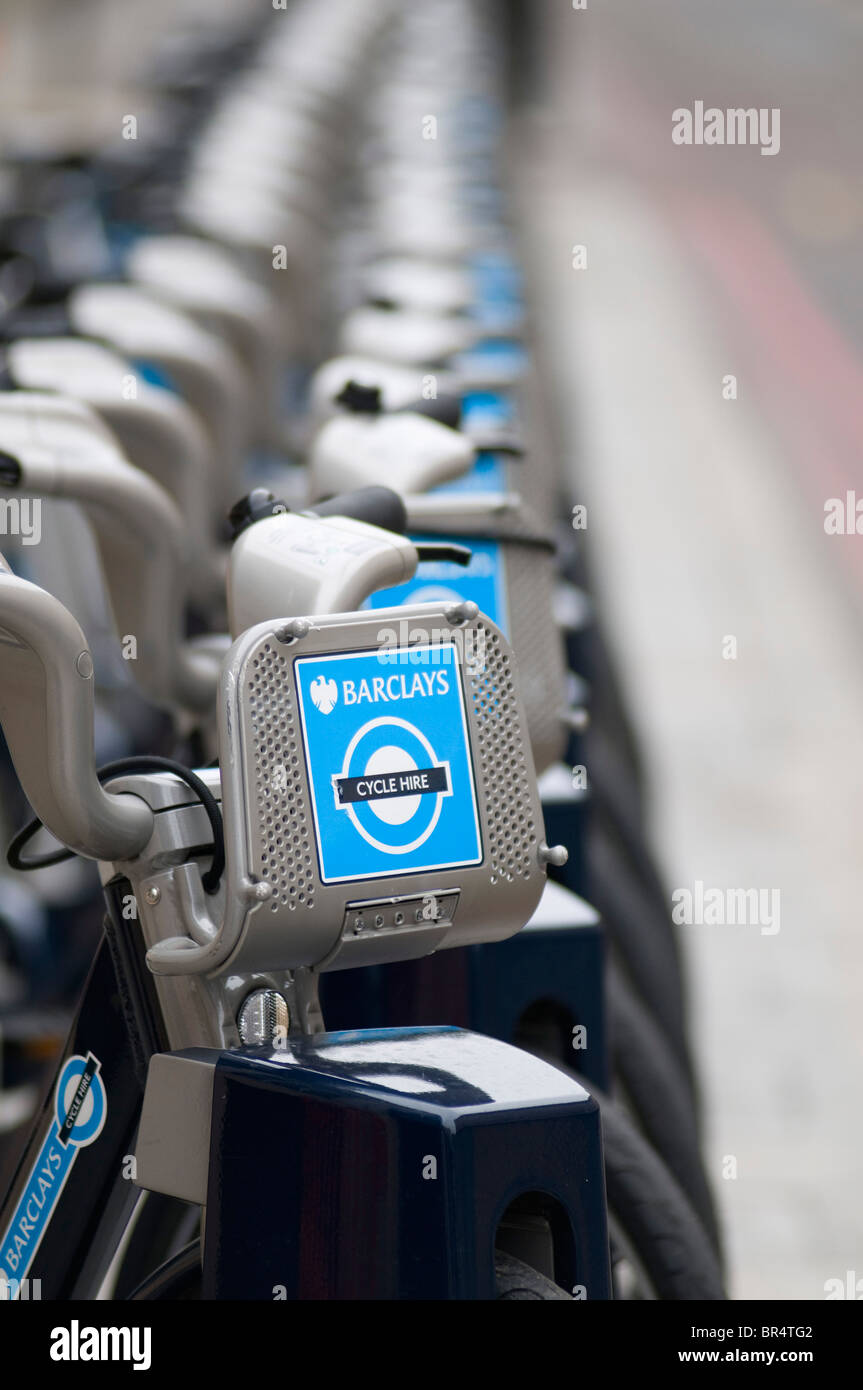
702, 528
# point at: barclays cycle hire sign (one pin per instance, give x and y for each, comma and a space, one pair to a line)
388, 756
80, 1109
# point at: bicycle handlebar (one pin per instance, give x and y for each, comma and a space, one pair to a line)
46, 712
378, 506
131, 514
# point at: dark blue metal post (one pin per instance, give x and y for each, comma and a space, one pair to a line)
377, 1165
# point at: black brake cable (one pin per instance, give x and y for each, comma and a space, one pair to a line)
210, 879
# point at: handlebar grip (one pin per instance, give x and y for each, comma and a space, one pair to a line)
379, 506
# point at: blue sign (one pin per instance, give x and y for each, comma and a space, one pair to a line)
486, 475
486, 410
154, 375
388, 756
497, 277
80, 1107
482, 581
493, 354
498, 318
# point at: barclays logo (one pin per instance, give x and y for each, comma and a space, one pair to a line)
325, 694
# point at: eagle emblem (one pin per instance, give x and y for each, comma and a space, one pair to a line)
324, 694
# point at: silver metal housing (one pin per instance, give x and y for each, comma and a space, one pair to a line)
292, 918
530, 577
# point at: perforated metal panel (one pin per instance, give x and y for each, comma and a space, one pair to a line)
538, 646
510, 835
270, 828
284, 851
529, 580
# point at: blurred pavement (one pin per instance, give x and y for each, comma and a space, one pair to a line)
706, 521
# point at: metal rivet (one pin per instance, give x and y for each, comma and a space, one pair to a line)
294, 631
461, 612
153, 895
84, 665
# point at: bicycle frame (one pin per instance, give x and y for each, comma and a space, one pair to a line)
401, 1128
422, 1164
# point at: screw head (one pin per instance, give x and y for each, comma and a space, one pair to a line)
294, 631
153, 895
459, 613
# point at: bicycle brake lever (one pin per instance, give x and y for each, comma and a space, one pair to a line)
443, 551
491, 441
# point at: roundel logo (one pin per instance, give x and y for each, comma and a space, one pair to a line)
80, 1111
80, 1101
324, 693
392, 785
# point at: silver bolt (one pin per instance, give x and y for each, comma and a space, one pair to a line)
263, 1018
295, 630
553, 854
262, 891
153, 895
459, 613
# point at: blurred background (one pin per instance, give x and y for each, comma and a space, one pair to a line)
706, 520
706, 500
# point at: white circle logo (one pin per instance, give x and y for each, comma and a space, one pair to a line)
385, 760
